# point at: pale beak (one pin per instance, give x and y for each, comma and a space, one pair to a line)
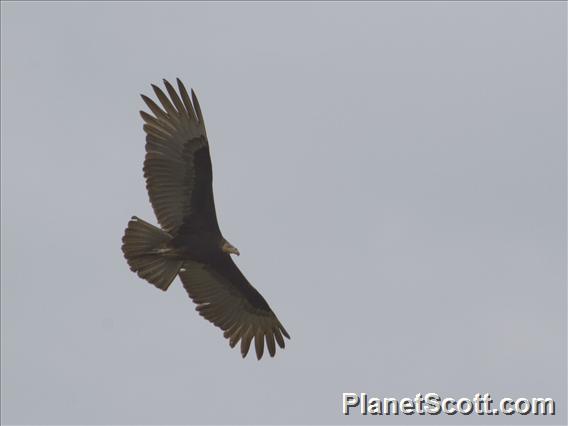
229, 248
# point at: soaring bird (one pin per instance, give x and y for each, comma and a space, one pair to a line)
189, 243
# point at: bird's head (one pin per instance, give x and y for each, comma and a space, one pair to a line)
227, 247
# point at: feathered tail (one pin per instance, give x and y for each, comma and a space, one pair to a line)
144, 247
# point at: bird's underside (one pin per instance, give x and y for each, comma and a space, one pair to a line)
189, 243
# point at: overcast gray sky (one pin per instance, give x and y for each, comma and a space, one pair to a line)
394, 175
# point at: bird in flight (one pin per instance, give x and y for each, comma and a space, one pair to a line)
189, 243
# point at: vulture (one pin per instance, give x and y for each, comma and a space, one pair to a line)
189, 243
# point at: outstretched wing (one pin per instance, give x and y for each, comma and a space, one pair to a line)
225, 297
177, 166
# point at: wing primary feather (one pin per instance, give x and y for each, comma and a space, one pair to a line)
165, 102
232, 329
278, 337
155, 108
245, 342
175, 98
283, 330
186, 101
197, 107
153, 121
236, 335
270, 343
259, 343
